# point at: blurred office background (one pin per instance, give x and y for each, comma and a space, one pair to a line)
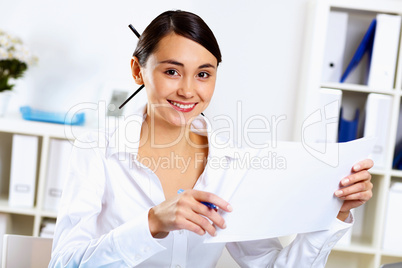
85, 46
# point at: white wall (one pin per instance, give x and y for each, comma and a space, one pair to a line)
82, 45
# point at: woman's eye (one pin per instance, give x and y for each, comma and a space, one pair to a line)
172, 72
203, 75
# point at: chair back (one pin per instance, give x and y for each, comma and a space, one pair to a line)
26, 251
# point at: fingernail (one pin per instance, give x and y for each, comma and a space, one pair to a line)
229, 207
356, 167
214, 234
338, 193
224, 226
345, 181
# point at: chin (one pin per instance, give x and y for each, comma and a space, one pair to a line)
178, 120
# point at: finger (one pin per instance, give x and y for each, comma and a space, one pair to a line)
355, 188
187, 217
202, 209
212, 215
191, 226
201, 222
202, 196
363, 175
362, 196
363, 165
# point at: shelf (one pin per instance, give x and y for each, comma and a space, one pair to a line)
396, 173
367, 233
388, 253
27, 221
356, 88
15, 124
383, 6
390, 259
49, 214
5, 208
350, 260
377, 171
357, 248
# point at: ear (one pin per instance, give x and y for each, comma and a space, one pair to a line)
136, 71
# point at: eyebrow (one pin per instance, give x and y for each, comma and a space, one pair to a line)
206, 65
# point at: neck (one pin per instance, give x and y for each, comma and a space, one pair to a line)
160, 135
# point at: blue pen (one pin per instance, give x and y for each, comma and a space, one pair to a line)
209, 205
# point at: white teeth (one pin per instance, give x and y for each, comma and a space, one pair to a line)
182, 105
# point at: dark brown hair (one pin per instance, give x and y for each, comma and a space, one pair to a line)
182, 23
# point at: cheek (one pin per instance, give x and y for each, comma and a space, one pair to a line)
207, 91
158, 86
147, 78
165, 88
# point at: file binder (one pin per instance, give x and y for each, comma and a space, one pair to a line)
385, 51
47, 228
348, 129
365, 46
23, 171
328, 107
5, 228
58, 161
393, 219
335, 46
376, 124
397, 161
331, 100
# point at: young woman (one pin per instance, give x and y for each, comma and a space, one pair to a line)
121, 207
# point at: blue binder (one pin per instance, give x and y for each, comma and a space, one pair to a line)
348, 129
397, 161
366, 45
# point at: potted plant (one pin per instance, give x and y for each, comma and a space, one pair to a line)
14, 61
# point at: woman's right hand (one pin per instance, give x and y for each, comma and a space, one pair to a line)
185, 211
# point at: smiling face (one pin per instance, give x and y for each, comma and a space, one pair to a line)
179, 78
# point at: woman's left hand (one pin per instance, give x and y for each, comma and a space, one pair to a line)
357, 188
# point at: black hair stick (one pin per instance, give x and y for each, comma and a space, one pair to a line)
141, 87
134, 30
132, 96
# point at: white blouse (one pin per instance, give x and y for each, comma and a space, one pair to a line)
103, 216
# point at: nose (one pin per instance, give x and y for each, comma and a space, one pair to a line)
187, 88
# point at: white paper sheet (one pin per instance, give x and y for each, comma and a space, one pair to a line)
291, 192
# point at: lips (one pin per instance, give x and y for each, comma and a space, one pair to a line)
182, 106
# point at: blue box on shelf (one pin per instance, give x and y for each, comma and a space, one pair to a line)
52, 117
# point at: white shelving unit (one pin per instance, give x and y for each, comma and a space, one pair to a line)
365, 251
27, 221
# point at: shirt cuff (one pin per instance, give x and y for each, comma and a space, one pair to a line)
327, 239
134, 241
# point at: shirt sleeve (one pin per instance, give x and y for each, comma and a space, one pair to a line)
78, 239
306, 250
